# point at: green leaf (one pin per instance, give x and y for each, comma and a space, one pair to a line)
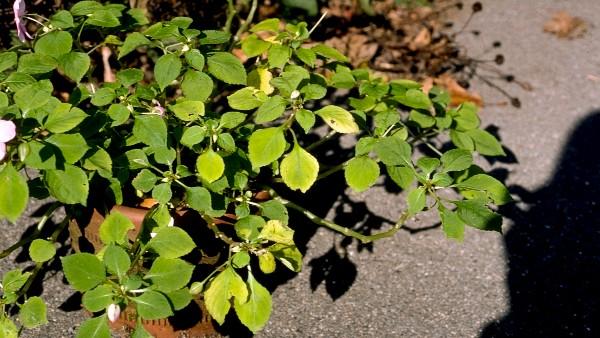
329, 52
167, 69
103, 18
214, 37
453, 226
32, 96
114, 228
151, 130
313, 91
62, 19
456, 160
169, 274
14, 193
226, 142
272, 109
416, 200
179, 299
477, 215
83, 271
210, 166
130, 76
486, 143
152, 305
33, 313
140, 332
96, 327
288, 255
306, 119
402, 176
97, 299
72, 146
247, 228
76, 191
343, 80
197, 85
415, 98
232, 119
265, 146
276, 231
255, 312
279, 55
195, 59
172, 242
36, 64
82, 8
422, 119
144, 181
467, 118
225, 285
269, 25
274, 209
299, 169
16, 81
227, 68
8, 329
75, 65
393, 151
266, 262
62, 119
494, 188
188, 110
54, 44
103, 96
361, 173
240, 259
13, 280
100, 161
462, 140
137, 159
428, 164
116, 260
193, 135
338, 118
307, 56
253, 46
133, 41
7, 60
244, 99
162, 193
41, 250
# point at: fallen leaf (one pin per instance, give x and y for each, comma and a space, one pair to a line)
458, 94
565, 26
421, 40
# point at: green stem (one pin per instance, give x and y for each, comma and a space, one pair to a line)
333, 170
322, 140
246, 23
343, 230
35, 233
230, 14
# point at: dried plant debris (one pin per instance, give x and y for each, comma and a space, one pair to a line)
566, 26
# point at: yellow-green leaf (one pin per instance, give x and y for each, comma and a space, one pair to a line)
299, 169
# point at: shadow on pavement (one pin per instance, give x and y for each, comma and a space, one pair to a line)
553, 248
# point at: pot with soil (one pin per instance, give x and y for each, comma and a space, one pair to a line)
178, 118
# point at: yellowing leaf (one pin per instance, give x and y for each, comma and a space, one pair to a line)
277, 232
299, 169
210, 166
339, 119
227, 284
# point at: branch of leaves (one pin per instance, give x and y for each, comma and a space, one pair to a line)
32, 313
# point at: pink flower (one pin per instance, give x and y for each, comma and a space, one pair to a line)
8, 131
19, 9
113, 312
158, 109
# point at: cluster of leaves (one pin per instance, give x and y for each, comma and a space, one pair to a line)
206, 133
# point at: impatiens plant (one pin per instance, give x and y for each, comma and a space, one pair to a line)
198, 131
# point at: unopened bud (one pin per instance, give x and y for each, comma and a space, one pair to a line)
153, 234
295, 95
185, 48
113, 312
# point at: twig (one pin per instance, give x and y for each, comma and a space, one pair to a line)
246, 23
318, 22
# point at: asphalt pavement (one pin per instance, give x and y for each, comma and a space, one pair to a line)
537, 279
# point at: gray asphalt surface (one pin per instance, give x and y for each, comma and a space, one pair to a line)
423, 285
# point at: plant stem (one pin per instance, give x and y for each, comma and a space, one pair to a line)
230, 14
246, 23
343, 230
322, 140
318, 23
35, 233
331, 171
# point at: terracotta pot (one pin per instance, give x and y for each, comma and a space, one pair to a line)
193, 321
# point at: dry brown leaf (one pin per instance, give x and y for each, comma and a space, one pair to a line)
565, 26
109, 75
458, 94
421, 40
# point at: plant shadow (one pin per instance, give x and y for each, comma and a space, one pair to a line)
553, 247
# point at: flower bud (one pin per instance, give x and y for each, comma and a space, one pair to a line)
294, 95
113, 311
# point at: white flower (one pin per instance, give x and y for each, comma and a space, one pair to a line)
19, 9
113, 311
295, 95
8, 131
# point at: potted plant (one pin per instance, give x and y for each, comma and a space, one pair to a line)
213, 143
